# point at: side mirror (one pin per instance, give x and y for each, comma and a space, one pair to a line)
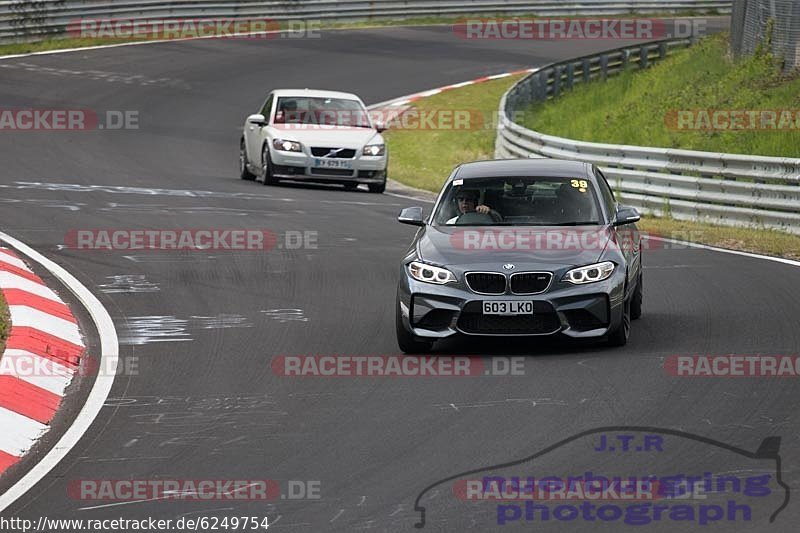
626, 215
257, 119
411, 216
380, 126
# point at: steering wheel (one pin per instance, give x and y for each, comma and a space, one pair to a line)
469, 219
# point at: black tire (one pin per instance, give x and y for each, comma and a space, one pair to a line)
619, 337
350, 186
243, 172
377, 188
266, 167
637, 298
406, 341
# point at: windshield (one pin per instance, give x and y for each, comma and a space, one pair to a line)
307, 111
519, 201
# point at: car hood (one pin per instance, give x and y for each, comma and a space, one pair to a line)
328, 136
526, 247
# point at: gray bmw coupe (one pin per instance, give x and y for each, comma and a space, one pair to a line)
521, 248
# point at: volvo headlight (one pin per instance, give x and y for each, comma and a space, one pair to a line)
375, 150
430, 274
287, 146
590, 273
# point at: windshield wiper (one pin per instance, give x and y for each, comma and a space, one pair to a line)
589, 223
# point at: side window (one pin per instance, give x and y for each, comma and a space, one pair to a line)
267, 108
605, 191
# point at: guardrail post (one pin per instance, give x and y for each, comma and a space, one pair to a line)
587, 70
662, 50
604, 66
557, 80
626, 56
570, 75
538, 88
644, 60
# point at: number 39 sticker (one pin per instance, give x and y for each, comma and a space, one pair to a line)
581, 185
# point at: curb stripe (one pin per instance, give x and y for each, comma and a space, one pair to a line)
35, 301
28, 400
12, 281
7, 460
22, 435
42, 354
22, 316
40, 371
10, 253
45, 345
403, 100
11, 260
23, 273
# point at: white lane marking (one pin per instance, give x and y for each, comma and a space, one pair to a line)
13, 281
39, 371
499, 76
102, 385
140, 43
24, 316
397, 195
726, 251
20, 432
15, 261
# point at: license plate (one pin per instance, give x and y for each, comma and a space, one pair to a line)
508, 308
333, 163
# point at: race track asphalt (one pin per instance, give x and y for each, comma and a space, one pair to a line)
204, 327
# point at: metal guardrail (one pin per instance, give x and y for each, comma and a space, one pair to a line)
729, 189
25, 20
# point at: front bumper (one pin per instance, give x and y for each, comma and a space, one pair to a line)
438, 312
301, 166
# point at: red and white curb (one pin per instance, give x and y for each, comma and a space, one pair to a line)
42, 355
405, 100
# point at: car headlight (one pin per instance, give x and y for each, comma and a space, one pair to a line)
287, 146
375, 150
590, 273
430, 274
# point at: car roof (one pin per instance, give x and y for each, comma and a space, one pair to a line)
313, 93
545, 168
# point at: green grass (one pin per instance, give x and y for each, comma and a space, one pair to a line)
61, 43
631, 108
425, 158
5, 323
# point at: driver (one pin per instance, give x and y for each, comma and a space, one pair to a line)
467, 200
